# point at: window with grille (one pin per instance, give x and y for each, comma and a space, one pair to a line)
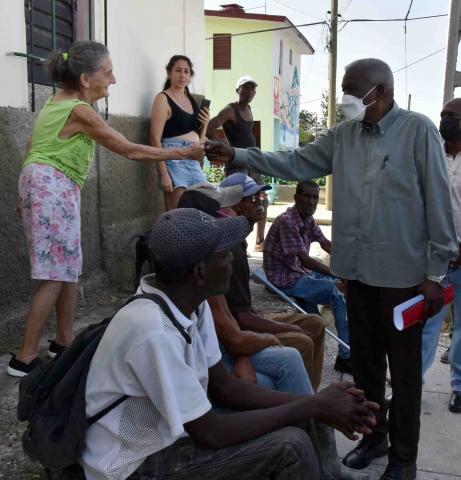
222, 51
39, 33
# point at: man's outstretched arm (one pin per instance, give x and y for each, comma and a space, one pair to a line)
313, 160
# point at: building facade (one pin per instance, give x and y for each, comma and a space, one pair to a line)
271, 55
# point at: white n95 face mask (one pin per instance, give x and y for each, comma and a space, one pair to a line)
353, 107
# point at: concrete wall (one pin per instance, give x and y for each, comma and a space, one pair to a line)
119, 199
13, 91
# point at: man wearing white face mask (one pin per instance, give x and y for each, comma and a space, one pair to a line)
353, 107
393, 236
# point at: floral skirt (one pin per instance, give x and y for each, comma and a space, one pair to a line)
51, 218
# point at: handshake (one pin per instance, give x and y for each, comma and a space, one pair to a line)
219, 152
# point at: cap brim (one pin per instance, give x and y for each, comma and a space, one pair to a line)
234, 231
226, 196
256, 189
249, 81
231, 195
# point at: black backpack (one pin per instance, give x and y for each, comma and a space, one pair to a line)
52, 397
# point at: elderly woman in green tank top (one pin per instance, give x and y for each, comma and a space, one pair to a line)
58, 159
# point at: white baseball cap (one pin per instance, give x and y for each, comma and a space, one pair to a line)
245, 79
226, 196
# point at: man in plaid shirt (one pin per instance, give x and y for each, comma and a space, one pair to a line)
290, 268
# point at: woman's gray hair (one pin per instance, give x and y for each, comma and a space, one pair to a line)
65, 68
377, 71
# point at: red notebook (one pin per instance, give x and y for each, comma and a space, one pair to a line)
408, 313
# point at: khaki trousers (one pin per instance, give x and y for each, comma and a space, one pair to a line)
310, 343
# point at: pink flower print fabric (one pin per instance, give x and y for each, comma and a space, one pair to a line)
51, 218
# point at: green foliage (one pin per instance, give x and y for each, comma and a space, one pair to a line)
310, 125
324, 106
214, 174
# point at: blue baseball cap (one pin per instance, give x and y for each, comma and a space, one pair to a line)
250, 187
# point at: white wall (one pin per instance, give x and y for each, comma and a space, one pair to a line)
13, 84
142, 36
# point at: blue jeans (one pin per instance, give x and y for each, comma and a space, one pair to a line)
183, 173
432, 329
278, 368
317, 289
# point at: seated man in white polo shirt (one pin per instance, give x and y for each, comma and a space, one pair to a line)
167, 428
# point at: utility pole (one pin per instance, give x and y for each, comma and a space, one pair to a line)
333, 49
452, 76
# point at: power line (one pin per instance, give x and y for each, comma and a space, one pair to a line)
394, 19
354, 20
295, 10
313, 58
270, 29
346, 5
419, 60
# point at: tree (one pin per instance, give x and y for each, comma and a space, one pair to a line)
324, 106
310, 125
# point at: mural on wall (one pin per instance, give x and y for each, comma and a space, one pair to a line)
289, 113
276, 96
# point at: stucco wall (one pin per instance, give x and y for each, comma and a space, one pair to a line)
251, 55
119, 199
289, 88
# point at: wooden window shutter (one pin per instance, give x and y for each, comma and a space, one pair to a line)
222, 51
39, 33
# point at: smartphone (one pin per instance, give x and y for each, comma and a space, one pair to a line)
205, 103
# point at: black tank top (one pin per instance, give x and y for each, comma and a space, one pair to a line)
181, 122
240, 135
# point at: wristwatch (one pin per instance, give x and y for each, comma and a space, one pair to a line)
440, 279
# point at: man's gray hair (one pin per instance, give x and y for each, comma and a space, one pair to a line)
378, 72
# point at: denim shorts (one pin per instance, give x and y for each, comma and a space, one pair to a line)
183, 173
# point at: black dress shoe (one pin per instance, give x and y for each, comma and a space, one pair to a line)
367, 449
444, 356
454, 405
396, 472
343, 365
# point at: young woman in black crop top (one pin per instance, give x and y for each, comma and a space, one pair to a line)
176, 121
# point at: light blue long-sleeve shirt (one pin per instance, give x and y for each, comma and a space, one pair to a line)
392, 218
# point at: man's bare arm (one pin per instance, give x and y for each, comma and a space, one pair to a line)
225, 115
313, 264
326, 245
236, 341
249, 320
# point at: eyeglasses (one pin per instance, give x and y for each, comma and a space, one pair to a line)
257, 198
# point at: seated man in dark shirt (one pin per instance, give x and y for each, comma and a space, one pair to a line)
303, 332
290, 268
